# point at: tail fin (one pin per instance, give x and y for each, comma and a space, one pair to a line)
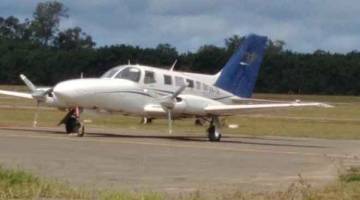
240, 73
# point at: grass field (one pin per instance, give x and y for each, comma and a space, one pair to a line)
19, 184
340, 122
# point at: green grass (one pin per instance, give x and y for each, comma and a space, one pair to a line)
352, 175
20, 184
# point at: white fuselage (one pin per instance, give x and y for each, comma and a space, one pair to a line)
129, 89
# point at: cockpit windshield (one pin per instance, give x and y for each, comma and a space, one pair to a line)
130, 73
110, 73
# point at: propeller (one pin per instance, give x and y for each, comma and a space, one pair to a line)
168, 103
169, 121
39, 94
36, 114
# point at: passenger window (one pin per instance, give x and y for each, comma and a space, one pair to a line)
198, 85
190, 83
217, 91
179, 81
149, 77
130, 73
211, 90
205, 87
167, 80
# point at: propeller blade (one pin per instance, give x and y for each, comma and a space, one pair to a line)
40, 95
36, 115
169, 121
168, 104
28, 83
180, 90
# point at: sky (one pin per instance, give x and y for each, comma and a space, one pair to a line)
304, 25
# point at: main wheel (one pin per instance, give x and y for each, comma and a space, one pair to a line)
213, 134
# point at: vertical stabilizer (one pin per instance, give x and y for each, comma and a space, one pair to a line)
240, 73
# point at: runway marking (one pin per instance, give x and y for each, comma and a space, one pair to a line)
339, 156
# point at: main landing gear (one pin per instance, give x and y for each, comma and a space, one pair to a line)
146, 120
213, 131
72, 123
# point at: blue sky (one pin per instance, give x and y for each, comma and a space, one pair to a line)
305, 25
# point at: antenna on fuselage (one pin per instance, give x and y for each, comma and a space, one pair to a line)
173, 65
129, 62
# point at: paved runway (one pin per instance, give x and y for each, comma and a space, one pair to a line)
130, 160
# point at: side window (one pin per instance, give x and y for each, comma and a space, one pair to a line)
190, 83
179, 81
149, 77
217, 91
198, 85
211, 90
167, 80
205, 87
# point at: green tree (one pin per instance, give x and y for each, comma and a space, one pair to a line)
233, 42
12, 28
73, 38
275, 47
209, 59
166, 54
47, 19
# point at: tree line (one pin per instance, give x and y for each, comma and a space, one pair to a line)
47, 55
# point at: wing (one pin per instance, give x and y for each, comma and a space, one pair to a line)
239, 109
16, 94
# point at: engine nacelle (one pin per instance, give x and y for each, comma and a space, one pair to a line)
194, 105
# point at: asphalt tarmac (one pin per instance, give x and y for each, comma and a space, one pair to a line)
115, 158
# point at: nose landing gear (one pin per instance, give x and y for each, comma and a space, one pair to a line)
72, 123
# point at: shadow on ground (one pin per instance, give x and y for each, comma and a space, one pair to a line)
225, 139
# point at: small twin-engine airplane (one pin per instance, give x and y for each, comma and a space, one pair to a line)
157, 93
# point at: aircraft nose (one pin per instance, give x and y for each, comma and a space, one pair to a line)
65, 90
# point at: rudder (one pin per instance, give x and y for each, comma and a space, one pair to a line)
240, 73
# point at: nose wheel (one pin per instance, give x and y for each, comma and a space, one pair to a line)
213, 131
72, 123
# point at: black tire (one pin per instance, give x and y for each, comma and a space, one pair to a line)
81, 132
213, 137
199, 122
72, 125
